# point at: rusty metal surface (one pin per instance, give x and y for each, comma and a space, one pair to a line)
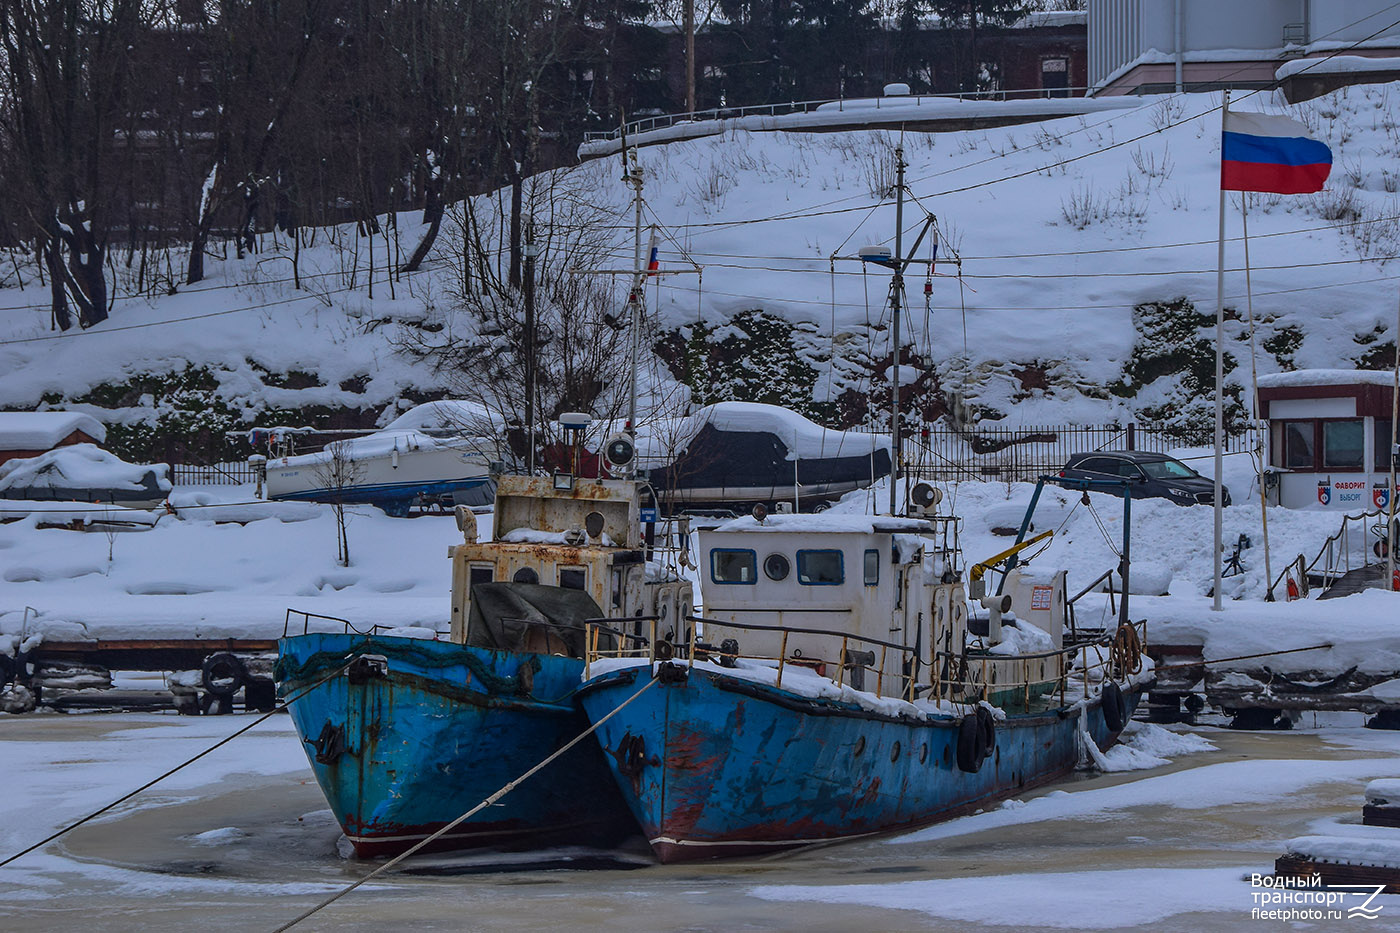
439, 729
759, 770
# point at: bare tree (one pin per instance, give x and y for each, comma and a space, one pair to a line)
338, 473
580, 341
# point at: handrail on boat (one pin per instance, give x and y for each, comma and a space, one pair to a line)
306, 617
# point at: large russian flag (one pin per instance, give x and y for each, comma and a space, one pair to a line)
1261, 152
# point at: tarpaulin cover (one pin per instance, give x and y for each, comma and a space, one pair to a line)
524, 616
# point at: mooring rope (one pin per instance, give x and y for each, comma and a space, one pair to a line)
510, 786
156, 780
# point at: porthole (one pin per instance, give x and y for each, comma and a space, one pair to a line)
923, 753
894, 752
776, 566
526, 575
860, 747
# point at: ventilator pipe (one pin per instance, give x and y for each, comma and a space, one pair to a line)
995, 606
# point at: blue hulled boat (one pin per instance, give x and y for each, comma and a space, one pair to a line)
838, 687
417, 732
407, 734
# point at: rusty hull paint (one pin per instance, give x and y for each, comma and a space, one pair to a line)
433, 739
743, 774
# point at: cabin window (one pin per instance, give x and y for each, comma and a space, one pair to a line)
776, 566
733, 565
1382, 445
1343, 445
820, 568
573, 578
526, 575
872, 567
481, 573
1298, 445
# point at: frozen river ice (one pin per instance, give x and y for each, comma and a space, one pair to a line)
242, 841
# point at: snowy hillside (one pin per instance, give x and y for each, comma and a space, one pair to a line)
1064, 229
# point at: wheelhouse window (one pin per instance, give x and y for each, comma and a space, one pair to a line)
1298, 445
872, 567
733, 565
481, 573
820, 568
1343, 445
573, 578
1382, 444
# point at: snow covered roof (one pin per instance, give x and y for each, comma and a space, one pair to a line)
1340, 64
827, 523
42, 430
1327, 377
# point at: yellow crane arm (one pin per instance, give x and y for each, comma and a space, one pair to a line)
978, 570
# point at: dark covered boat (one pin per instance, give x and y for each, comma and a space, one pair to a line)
739, 453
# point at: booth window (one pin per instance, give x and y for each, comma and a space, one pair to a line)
1298, 445
820, 568
1343, 445
733, 565
1382, 445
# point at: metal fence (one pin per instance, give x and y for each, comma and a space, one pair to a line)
664, 120
1022, 454
230, 473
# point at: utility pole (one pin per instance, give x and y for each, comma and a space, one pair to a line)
688, 19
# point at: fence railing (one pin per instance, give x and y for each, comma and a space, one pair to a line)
229, 473
868, 102
1022, 454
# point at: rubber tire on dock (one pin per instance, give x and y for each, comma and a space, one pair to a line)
1115, 707
223, 673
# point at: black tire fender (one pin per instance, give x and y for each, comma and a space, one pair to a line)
1115, 707
223, 673
987, 724
970, 756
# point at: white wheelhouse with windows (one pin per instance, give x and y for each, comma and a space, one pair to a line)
851, 574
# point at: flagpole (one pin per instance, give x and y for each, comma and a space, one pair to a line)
1220, 370
1394, 456
1254, 391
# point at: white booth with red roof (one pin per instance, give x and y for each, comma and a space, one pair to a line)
1329, 438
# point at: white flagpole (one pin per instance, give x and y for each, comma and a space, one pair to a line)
1220, 367
1394, 455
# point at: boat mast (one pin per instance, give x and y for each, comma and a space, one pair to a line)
634, 177
896, 291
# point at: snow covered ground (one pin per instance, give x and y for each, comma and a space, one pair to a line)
1063, 227
200, 573
242, 840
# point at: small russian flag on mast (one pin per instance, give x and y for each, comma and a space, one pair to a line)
1262, 152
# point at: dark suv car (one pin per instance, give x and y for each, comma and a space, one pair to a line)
1153, 476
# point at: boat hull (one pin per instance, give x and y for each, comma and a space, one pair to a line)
439, 729
732, 767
